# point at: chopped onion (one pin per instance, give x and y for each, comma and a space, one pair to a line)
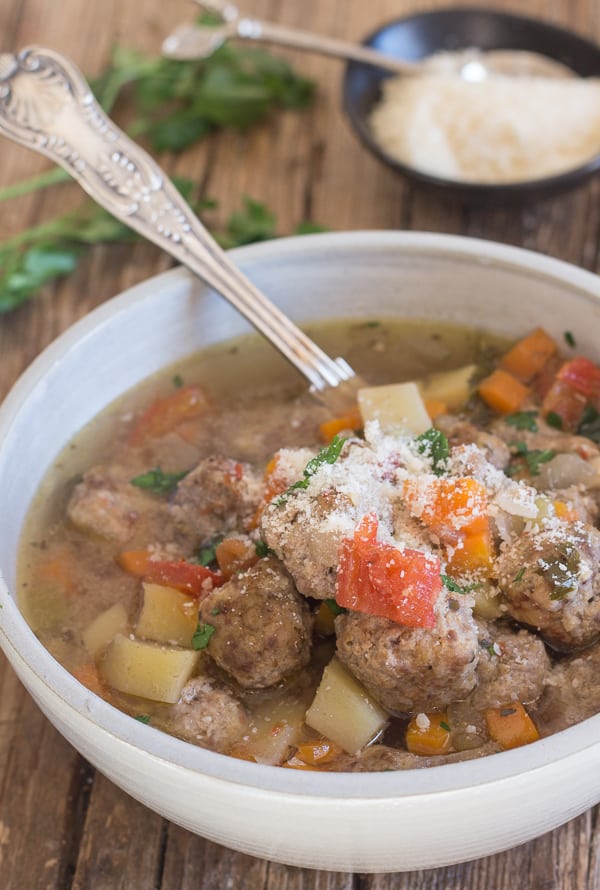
563, 471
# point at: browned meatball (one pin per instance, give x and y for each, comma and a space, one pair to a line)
551, 583
408, 670
107, 505
513, 666
572, 692
208, 714
459, 432
306, 532
262, 626
218, 496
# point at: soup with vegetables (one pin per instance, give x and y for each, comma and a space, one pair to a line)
413, 583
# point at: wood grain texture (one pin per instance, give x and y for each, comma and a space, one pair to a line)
61, 824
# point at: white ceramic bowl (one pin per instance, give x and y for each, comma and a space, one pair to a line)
349, 822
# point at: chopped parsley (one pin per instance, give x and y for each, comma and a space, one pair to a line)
334, 607
208, 555
157, 481
327, 455
143, 718
554, 420
590, 424
263, 550
519, 576
177, 381
523, 420
202, 636
444, 725
569, 339
532, 458
451, 585
435, 444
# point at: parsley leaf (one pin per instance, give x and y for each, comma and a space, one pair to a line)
202, 636
519, 576
143, 718
434, 444
531, 458
327, 455
262, 550
157, 481
523, 420
554, 420
334, 607
207, 555
590, 424
453, 586
569, 339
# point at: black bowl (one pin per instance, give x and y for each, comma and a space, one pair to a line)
417, 36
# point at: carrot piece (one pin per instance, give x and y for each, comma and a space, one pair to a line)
350, 421
429, 736
317, 752
435, 407
58, 568
473, 553
449, 507
564, 402
503, 392
164, 414
527, 357
565, 512
88, 676
235, 555
511, 726
274, 485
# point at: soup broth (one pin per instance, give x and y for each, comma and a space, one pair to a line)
218, 557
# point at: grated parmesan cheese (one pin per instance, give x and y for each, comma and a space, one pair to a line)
500, 130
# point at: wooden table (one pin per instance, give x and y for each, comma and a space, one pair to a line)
62, 825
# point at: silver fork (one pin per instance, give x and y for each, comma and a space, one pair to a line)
47, 105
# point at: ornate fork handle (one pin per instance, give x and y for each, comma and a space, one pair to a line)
46, 105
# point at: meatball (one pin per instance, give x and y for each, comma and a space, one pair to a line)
208, 714
572, 692
408, 670
513, 666
106, 505
551, 583
306, 532
546, 437
459, 432
216, 497
262, 626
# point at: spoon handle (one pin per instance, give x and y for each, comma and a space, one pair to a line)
198, 41
46, 105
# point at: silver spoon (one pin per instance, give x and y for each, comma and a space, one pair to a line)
47, 105
199, 41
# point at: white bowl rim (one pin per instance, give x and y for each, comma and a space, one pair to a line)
17, 637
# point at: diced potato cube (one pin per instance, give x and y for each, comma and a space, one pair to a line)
343, 711
398, 407
104, 627
453, 388
276, 727
147, 670
167, 616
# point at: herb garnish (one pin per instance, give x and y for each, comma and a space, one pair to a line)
334, 607
434, 444
143, 718
554, 420
327, 455
569, 339
207, 555
532, 458
451, 585
202, 636
444, 725
177, 381
263, 550
519, 576
157, 481
523, 420
590, 424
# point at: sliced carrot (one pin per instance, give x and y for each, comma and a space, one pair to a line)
503, 392
317, 752
434, 408
449, 507
165, 413
474, 553
527, 357
565, 511
350, 421
88, 676
428, 734
235, 555
511, 726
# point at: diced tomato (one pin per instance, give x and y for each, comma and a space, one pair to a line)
378, 579
164, 414
583, 376
185, 576
563, 401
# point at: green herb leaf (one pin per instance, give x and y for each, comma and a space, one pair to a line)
569, 339
590, 424
444, 725
519, 576
453, 586
434, 444
157, 481
554, 420
202, 636
531, 458
177, 381
143, 718
207, 555
523, 420
327, 455
262, 550
334, 608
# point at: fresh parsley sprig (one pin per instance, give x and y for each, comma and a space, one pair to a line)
156, 481
327, 455
434, 444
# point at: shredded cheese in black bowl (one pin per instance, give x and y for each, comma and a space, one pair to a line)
509, 136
